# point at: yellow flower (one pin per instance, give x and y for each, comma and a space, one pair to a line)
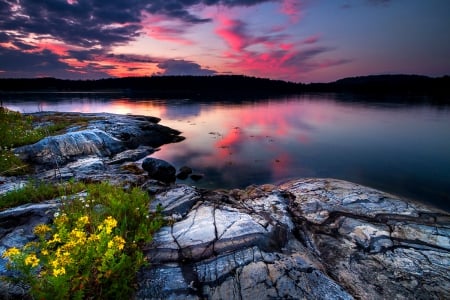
41, 229
82, 221
94, 238
59, 271
110, 223
77, 236
61, 220
44, 252
117, 242
56, 239
32, 260
11, 252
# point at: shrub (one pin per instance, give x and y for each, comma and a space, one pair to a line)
37, 191
93, 249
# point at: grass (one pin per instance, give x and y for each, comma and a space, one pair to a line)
17, 130
38, 191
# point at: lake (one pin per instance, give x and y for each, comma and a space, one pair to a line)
383, 143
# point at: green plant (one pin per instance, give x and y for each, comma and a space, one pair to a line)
37, 191
93, 249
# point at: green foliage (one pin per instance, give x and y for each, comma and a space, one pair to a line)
38, 191
93, 248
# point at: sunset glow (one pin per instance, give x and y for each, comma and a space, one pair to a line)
295, 40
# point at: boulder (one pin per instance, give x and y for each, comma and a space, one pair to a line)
60, 149
159, 169
196, 177
184, 172
136, 131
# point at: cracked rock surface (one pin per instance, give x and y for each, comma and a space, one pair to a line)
308, 238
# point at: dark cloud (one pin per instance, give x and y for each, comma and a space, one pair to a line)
179, 8
183, 67
307, 60
134, 58
16, 64
85, 23
90, 23
89, 28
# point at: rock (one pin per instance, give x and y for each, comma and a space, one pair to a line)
184, 172
8, 184
60, 149
196, 177
374, 244
310, 238
131, 155
136, 131
159, 169
178, 200
99, 152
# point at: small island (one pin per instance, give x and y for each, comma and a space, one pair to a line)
306, 238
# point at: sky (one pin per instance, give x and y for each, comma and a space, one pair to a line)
294, 40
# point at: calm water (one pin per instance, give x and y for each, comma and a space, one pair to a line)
399, 148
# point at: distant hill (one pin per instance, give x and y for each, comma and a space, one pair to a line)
387, 84
165, 85
222, 85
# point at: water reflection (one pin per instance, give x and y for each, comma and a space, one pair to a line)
388, 145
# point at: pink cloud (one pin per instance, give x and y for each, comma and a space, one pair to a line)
292, 8
271, 54
58, 49
233, 32
311, 39
161, 28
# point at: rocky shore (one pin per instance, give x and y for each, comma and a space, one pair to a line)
307, 238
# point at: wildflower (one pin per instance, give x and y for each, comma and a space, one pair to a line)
117, 242
32, 260
56, 214
78, 236
82, 221
109, 224
59, 271
94, 238
62, 219
41, 229
56, 239
11, 252
44, 252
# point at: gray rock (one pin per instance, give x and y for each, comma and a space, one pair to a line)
8, 184
311, 239
184, 172
374, 244
177, 201
196, 177
131, 155
136, 131
60, 149
159, 169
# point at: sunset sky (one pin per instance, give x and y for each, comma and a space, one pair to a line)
295, 40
